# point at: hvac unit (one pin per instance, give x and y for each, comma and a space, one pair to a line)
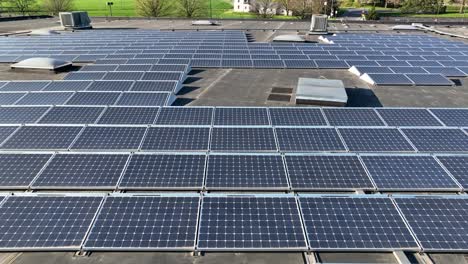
75, 20
319, 24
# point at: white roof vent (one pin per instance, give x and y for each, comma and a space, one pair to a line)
43, 32
288, 38
205, 23
75, 20
41, 64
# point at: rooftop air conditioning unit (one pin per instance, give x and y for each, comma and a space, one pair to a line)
319, 24
75, 20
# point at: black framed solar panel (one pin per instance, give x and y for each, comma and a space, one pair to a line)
177, 138
452, 117
331, 64
62, 86
103, 138
243, 139
261, 223
164, 171
49, 98
408, 117
241, 116
84, 76
99, 68
153, 222
155, 86
143, 99
445, 71
46, 222
39, 137
364, 223
27, 86
21, 115
408, 173
129, 115
86, 171
408, 69
19, 170
389, 79
352, 117
93, 98
185, 116
457, 166
300, 64
439, 222
297, 117
246, 172
429, 79
375, 140
308, 140
72, 115
327, 172
110, 86
437, 140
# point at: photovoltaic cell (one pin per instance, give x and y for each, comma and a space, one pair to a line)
138, 223
110, 138
82, 171
429, 79
327, 172
185, 116
21, 115
93, 98
457, 166
10, 98
129, 115
42, 137
352, 117
390, 79
123, 76
331, 64
63, 86
452, 117
407, 69
164, 172
445, 71
85, 76
438, 140
143, 99
49, 98
163, 76
375, 140
354, 223
241, 116
300, 64
308, 139
72, 115
20, 169
46, 222
177, 138
154, 86
24, 86
296, 117
243, 139
110, 86
439, 223
250, 223
408, 173
408, 117
246, 172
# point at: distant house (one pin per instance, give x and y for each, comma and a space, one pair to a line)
247, 6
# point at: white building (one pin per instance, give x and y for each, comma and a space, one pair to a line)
247, 6
242, 6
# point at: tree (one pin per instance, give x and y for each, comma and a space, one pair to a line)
286, 5
57, 6
22, 6
152, 8
302, 8
265, 8
190, 8
462, 7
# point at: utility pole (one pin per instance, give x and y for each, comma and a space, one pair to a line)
110, 4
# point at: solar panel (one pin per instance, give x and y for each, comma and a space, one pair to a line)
352, 117
327, 172
241, 116
389, 63
93, 98
134, 67
41, 222
99, 67
296, 117
362, 63
364, 223
452, 117
229, 63
154, 86
95, 171
308, 139
438, 140
300, 64
123, 76
110, 138
408, 69
85, 76
41, 137
163, 76
111, 86
144, 222
389, 79
445, 71
177, 138
49, 98
169, 67
210, 63
407, 117
250, 222
331, 64
185, 116
63, 86
408, 173
272, 64
429, 79
240, 172
375, 140
72, 115
20, 115
439, 223
424, 63
10, 98
129, 115
457, 166
143, 99
243, 139
24, 86
18, 170
164, 172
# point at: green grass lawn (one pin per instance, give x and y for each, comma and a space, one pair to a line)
452, 12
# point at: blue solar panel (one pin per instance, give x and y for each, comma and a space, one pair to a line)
129, 115
375, 140
296, 117
154, 86
72, 115
18, 170
93, 98
249, 222
185, 116
63, 86
177, 138
145, 222
21, 115
352, 117
238, 139
354, 223
429, 79
41, 137
27, 86
49, 98
143, 99
125, 138
452, 117
85, 76
308, 139
438, 140
408, 117
110, 86
241, 116
457, 166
